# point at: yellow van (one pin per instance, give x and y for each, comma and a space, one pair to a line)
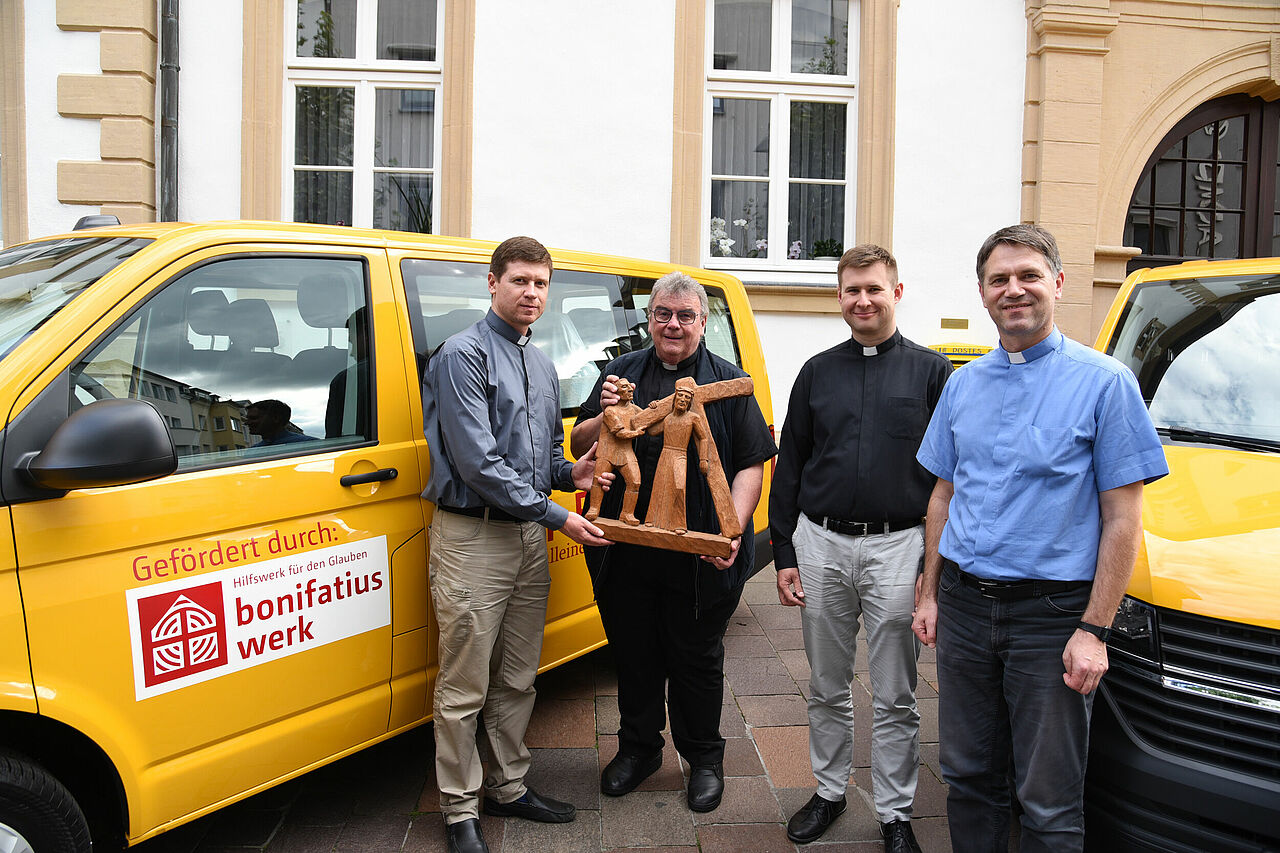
1185, 747
199, 601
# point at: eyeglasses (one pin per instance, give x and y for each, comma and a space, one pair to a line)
687, 316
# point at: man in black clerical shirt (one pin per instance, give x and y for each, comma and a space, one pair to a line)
846, 516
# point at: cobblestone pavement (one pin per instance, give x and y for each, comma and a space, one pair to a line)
385, 799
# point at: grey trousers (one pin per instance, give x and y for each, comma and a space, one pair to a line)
872, 578
489, 584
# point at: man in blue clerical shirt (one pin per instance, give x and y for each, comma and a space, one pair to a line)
1041, 449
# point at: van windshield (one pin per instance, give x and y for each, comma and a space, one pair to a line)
38, 279
1206, 352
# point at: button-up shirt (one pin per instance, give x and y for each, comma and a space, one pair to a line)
848, 450
1029, 439
491, 405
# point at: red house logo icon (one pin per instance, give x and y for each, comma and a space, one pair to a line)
182, 633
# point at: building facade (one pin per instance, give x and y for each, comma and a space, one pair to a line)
758, 136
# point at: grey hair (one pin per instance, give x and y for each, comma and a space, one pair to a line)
678, 284
1031, 236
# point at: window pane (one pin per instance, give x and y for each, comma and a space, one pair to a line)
1200, 142
326, 27
1137, 229
407, 30
739, 219
1231, 137
323, 124
817, 140
743, 32
403, 130
1164, 232
402, 202
1197, 231
740, 137
820, 36
1204, 185
289, 334
817, 220
1226, 235
1168, 182
322, 197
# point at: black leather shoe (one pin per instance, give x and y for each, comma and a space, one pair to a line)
898, 837
706, 787
810, 822
625, 772
465, 837
532, 806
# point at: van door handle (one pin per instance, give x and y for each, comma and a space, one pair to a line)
371, 477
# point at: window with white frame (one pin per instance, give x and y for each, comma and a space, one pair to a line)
781, 121
362, 119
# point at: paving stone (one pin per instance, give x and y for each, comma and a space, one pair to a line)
731, 722
646, 818
858, 823
748, 646
607, 719
245, 827
928, 716
773, 710
742, 625
562, 723
796, 663
756, 592
571, 775
744, 838
741, 758
785, 752
606, 677
652, 849
774, 617
762, 684
785, 638
373, 834
747, 799
305, 839
574, 680
581, 835
933, 833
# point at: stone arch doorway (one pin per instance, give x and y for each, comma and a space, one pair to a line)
1211, 187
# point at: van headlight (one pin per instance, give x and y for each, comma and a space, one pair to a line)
1134, 629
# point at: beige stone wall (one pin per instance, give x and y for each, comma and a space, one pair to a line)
1106, 80
13, 124
122, 98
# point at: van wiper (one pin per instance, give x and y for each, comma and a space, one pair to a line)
1206, 437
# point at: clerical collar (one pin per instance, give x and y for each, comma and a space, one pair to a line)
1037, 351
504, 328
682, 365
882, 347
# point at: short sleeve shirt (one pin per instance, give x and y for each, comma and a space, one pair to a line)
1028, 440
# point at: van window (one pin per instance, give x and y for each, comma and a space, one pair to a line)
581, 329
720, 336
285, 337
38, 279
1204, 351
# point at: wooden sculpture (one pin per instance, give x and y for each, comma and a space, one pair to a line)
679, 418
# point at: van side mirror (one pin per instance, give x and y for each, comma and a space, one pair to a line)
106, 443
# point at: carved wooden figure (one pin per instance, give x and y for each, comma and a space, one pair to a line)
614, 452
680, 418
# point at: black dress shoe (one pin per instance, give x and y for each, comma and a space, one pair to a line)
898, 837
532, 806
625, 772
706, 787
810, 822
465, 837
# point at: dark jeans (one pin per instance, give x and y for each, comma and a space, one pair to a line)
1001, 696
662, 637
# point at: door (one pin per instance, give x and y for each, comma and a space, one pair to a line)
232, 623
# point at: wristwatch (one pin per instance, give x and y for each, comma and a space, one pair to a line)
1098, 631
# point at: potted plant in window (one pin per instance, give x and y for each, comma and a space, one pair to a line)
827, 250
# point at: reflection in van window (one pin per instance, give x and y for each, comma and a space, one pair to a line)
1206, 354
38, 279
287, 337
580, 330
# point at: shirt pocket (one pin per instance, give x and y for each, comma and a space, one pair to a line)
1047, 452
906, 418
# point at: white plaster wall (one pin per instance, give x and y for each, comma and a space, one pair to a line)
573, 124
958, 155
50, 137
788, 341
211, 44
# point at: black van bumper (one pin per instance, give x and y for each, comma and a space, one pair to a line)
1140, 799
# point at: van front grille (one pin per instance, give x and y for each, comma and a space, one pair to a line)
1214, 729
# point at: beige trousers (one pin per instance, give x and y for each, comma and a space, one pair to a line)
489, 583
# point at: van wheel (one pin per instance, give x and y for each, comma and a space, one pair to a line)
37, 814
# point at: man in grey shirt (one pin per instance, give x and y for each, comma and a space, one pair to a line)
491, 405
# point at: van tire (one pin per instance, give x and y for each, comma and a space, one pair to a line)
37, 808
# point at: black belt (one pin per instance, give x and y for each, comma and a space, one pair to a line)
495, 514
1017, 590
862, 528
